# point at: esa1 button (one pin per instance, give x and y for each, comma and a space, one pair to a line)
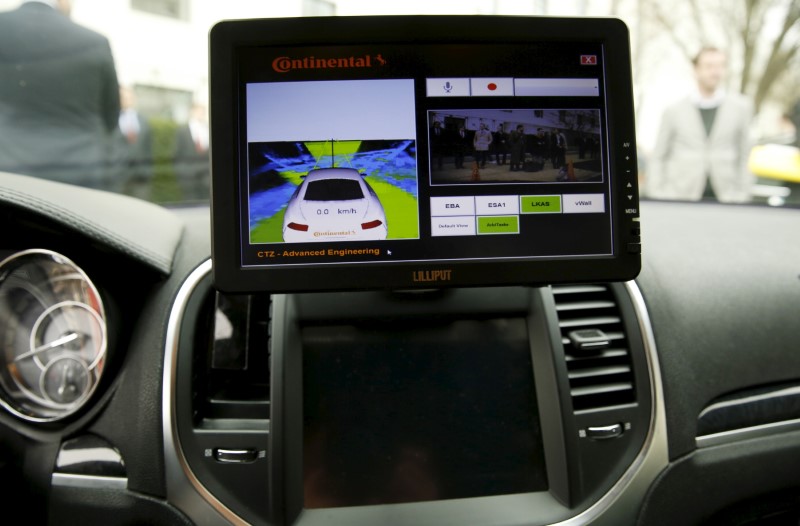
604, 432
235, 456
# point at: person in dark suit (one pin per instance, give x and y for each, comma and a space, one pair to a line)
560, 156
539, 149
59, 96
438, 142
516, 142
133, 148
461, 144
192, 156
500, 145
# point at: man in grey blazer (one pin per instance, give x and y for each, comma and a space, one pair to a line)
704, 141
59, 97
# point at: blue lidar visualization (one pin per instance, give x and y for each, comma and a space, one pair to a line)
276, 169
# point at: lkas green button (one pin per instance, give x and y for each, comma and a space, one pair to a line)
498, 224
540, 204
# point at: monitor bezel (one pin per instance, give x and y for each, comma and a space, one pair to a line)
228, 38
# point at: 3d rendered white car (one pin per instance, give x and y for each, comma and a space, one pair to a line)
334, 204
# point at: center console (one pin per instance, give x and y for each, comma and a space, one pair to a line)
479, 405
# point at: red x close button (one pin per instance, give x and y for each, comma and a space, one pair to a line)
588, 60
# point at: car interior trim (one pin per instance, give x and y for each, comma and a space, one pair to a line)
629, 492
750, 408
90, 456
183, 487
736, 435
789, 391
141, 230
89, 481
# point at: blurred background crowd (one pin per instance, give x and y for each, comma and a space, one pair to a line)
697, 53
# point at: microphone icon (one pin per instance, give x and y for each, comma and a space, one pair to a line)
448, 87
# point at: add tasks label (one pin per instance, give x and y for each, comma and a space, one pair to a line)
498, 225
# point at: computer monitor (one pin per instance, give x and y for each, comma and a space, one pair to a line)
421, 152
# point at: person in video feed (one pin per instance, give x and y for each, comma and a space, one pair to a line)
438, 142
560, 157
50, 128
539, 150
499, 145
516, 146
482, 141
703, 144
461, 142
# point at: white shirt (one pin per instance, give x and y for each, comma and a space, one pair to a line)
199, 132
706, 103
128, 122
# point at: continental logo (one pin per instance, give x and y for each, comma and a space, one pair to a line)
428, 276
287, 64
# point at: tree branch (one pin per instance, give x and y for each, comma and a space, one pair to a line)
778, 57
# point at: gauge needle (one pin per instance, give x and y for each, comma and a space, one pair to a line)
47, 346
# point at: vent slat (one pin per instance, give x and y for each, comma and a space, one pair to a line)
607, 354
599, 372
588, 322
597, 379
601, 389
585, 305
578, 289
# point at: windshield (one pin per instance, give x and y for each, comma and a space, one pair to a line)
333, 190
113, 94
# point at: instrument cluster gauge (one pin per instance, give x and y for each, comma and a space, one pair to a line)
52, 336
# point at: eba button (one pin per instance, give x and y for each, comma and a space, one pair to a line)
540, 204
498, 224
452, 206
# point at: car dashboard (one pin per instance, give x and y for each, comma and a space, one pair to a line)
672, 398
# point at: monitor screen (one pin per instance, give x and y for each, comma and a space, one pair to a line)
393, 414
361, 160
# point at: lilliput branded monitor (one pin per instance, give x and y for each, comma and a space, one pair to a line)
419, 152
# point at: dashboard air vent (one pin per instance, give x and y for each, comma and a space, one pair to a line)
236, 374
595, 347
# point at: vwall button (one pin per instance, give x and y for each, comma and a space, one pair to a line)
584, 203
